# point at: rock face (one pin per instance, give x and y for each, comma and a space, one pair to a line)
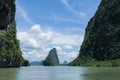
7, 15
52, 58
10, 53
65, 62
102, 37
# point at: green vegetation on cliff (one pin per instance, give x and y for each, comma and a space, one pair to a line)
102, 38
10, 53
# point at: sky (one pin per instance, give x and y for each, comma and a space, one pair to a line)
46, 24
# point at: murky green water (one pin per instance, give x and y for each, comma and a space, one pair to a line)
60, 73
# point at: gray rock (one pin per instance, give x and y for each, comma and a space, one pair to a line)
52, 58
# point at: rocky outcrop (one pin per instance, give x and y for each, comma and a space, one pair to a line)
52, 58
25, 63
65, 62
10, 53
102, 36
7, 15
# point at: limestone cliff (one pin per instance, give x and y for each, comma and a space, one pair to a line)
10, 53
102, 36
52, 58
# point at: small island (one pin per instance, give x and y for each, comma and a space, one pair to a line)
52, 58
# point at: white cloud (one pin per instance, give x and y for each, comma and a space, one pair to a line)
68, 47
69, 56
36, 28
67, 39
31, 44
34, 55
23, 36
36, 44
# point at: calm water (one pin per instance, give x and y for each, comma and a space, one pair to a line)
60, 73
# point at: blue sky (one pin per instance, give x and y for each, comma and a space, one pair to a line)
44, 24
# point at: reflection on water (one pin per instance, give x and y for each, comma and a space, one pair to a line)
49, 73
60, 73
8, 73
102, 74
